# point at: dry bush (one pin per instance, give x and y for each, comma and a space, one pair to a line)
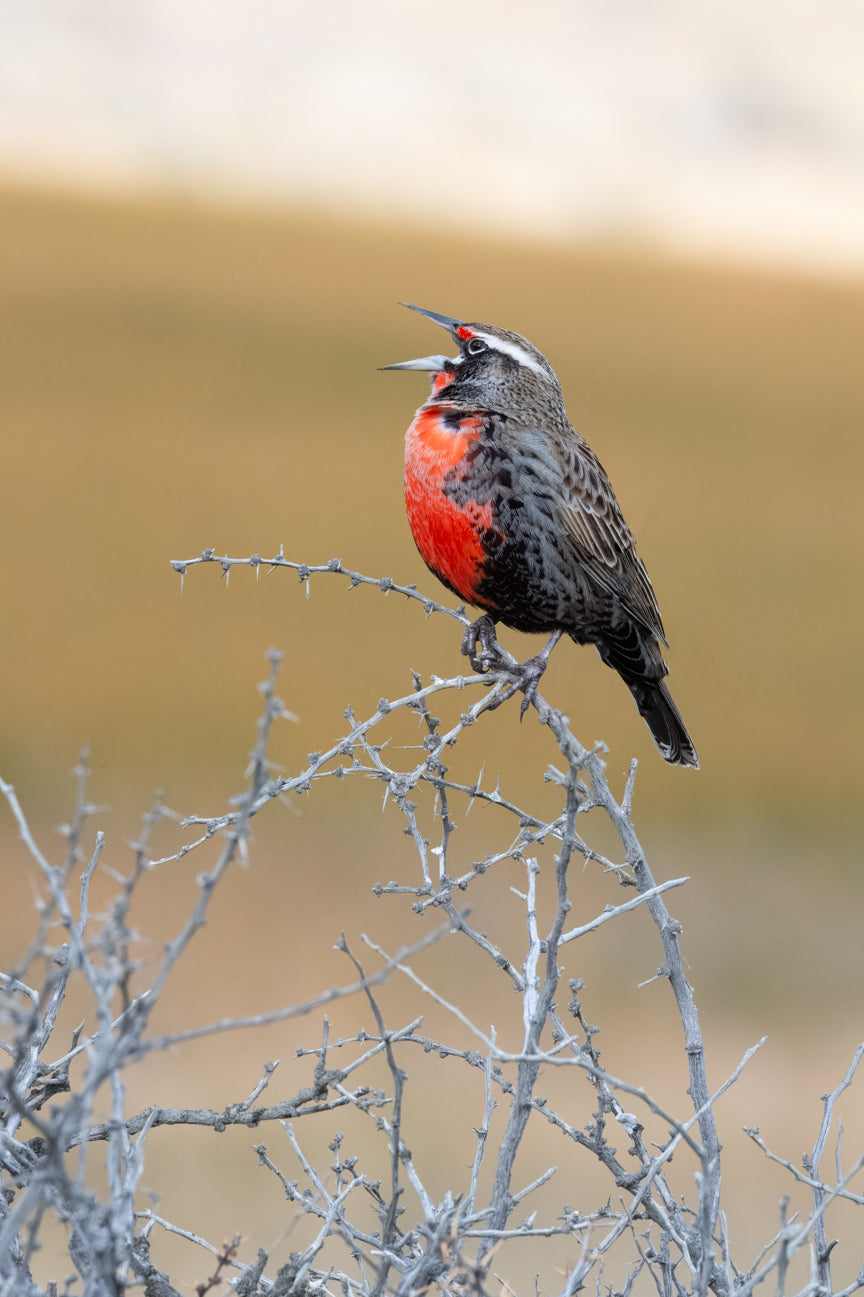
378, 1228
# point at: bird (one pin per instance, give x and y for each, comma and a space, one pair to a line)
512, 510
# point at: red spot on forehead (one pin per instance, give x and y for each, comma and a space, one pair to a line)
462, 332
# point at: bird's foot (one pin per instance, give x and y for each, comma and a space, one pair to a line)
526, 676
490, 657
523, 676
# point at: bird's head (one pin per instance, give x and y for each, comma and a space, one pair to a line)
494, 370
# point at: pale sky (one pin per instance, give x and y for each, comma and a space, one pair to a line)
731, 126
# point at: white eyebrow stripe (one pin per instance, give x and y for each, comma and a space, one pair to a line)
511, 349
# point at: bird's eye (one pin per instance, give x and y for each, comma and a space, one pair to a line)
475, 346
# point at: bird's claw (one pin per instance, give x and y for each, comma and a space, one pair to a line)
490, 657
526, 677
522, 676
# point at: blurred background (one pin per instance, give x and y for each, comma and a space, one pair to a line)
208, 212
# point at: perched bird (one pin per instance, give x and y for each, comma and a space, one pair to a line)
512, 510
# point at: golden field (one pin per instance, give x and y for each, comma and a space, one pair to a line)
174, 377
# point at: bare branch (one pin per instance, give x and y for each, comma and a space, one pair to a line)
423, 1241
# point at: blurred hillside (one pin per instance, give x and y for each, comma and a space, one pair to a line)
722, 127
174, 377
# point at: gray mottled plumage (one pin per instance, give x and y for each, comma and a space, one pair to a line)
558, 554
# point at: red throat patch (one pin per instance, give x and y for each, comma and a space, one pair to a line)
448, 535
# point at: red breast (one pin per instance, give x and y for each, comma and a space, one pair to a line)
448, 535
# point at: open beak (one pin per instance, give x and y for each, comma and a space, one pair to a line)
434, 364
446, 321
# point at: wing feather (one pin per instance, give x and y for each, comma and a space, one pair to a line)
591, 517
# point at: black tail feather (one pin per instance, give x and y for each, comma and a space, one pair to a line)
638, 660
664, 721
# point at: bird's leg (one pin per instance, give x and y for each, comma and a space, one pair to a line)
528, 673
524, 675
482, 632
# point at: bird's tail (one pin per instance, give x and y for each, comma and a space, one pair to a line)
639, 663
664, 721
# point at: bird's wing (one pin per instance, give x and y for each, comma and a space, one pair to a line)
591, 517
